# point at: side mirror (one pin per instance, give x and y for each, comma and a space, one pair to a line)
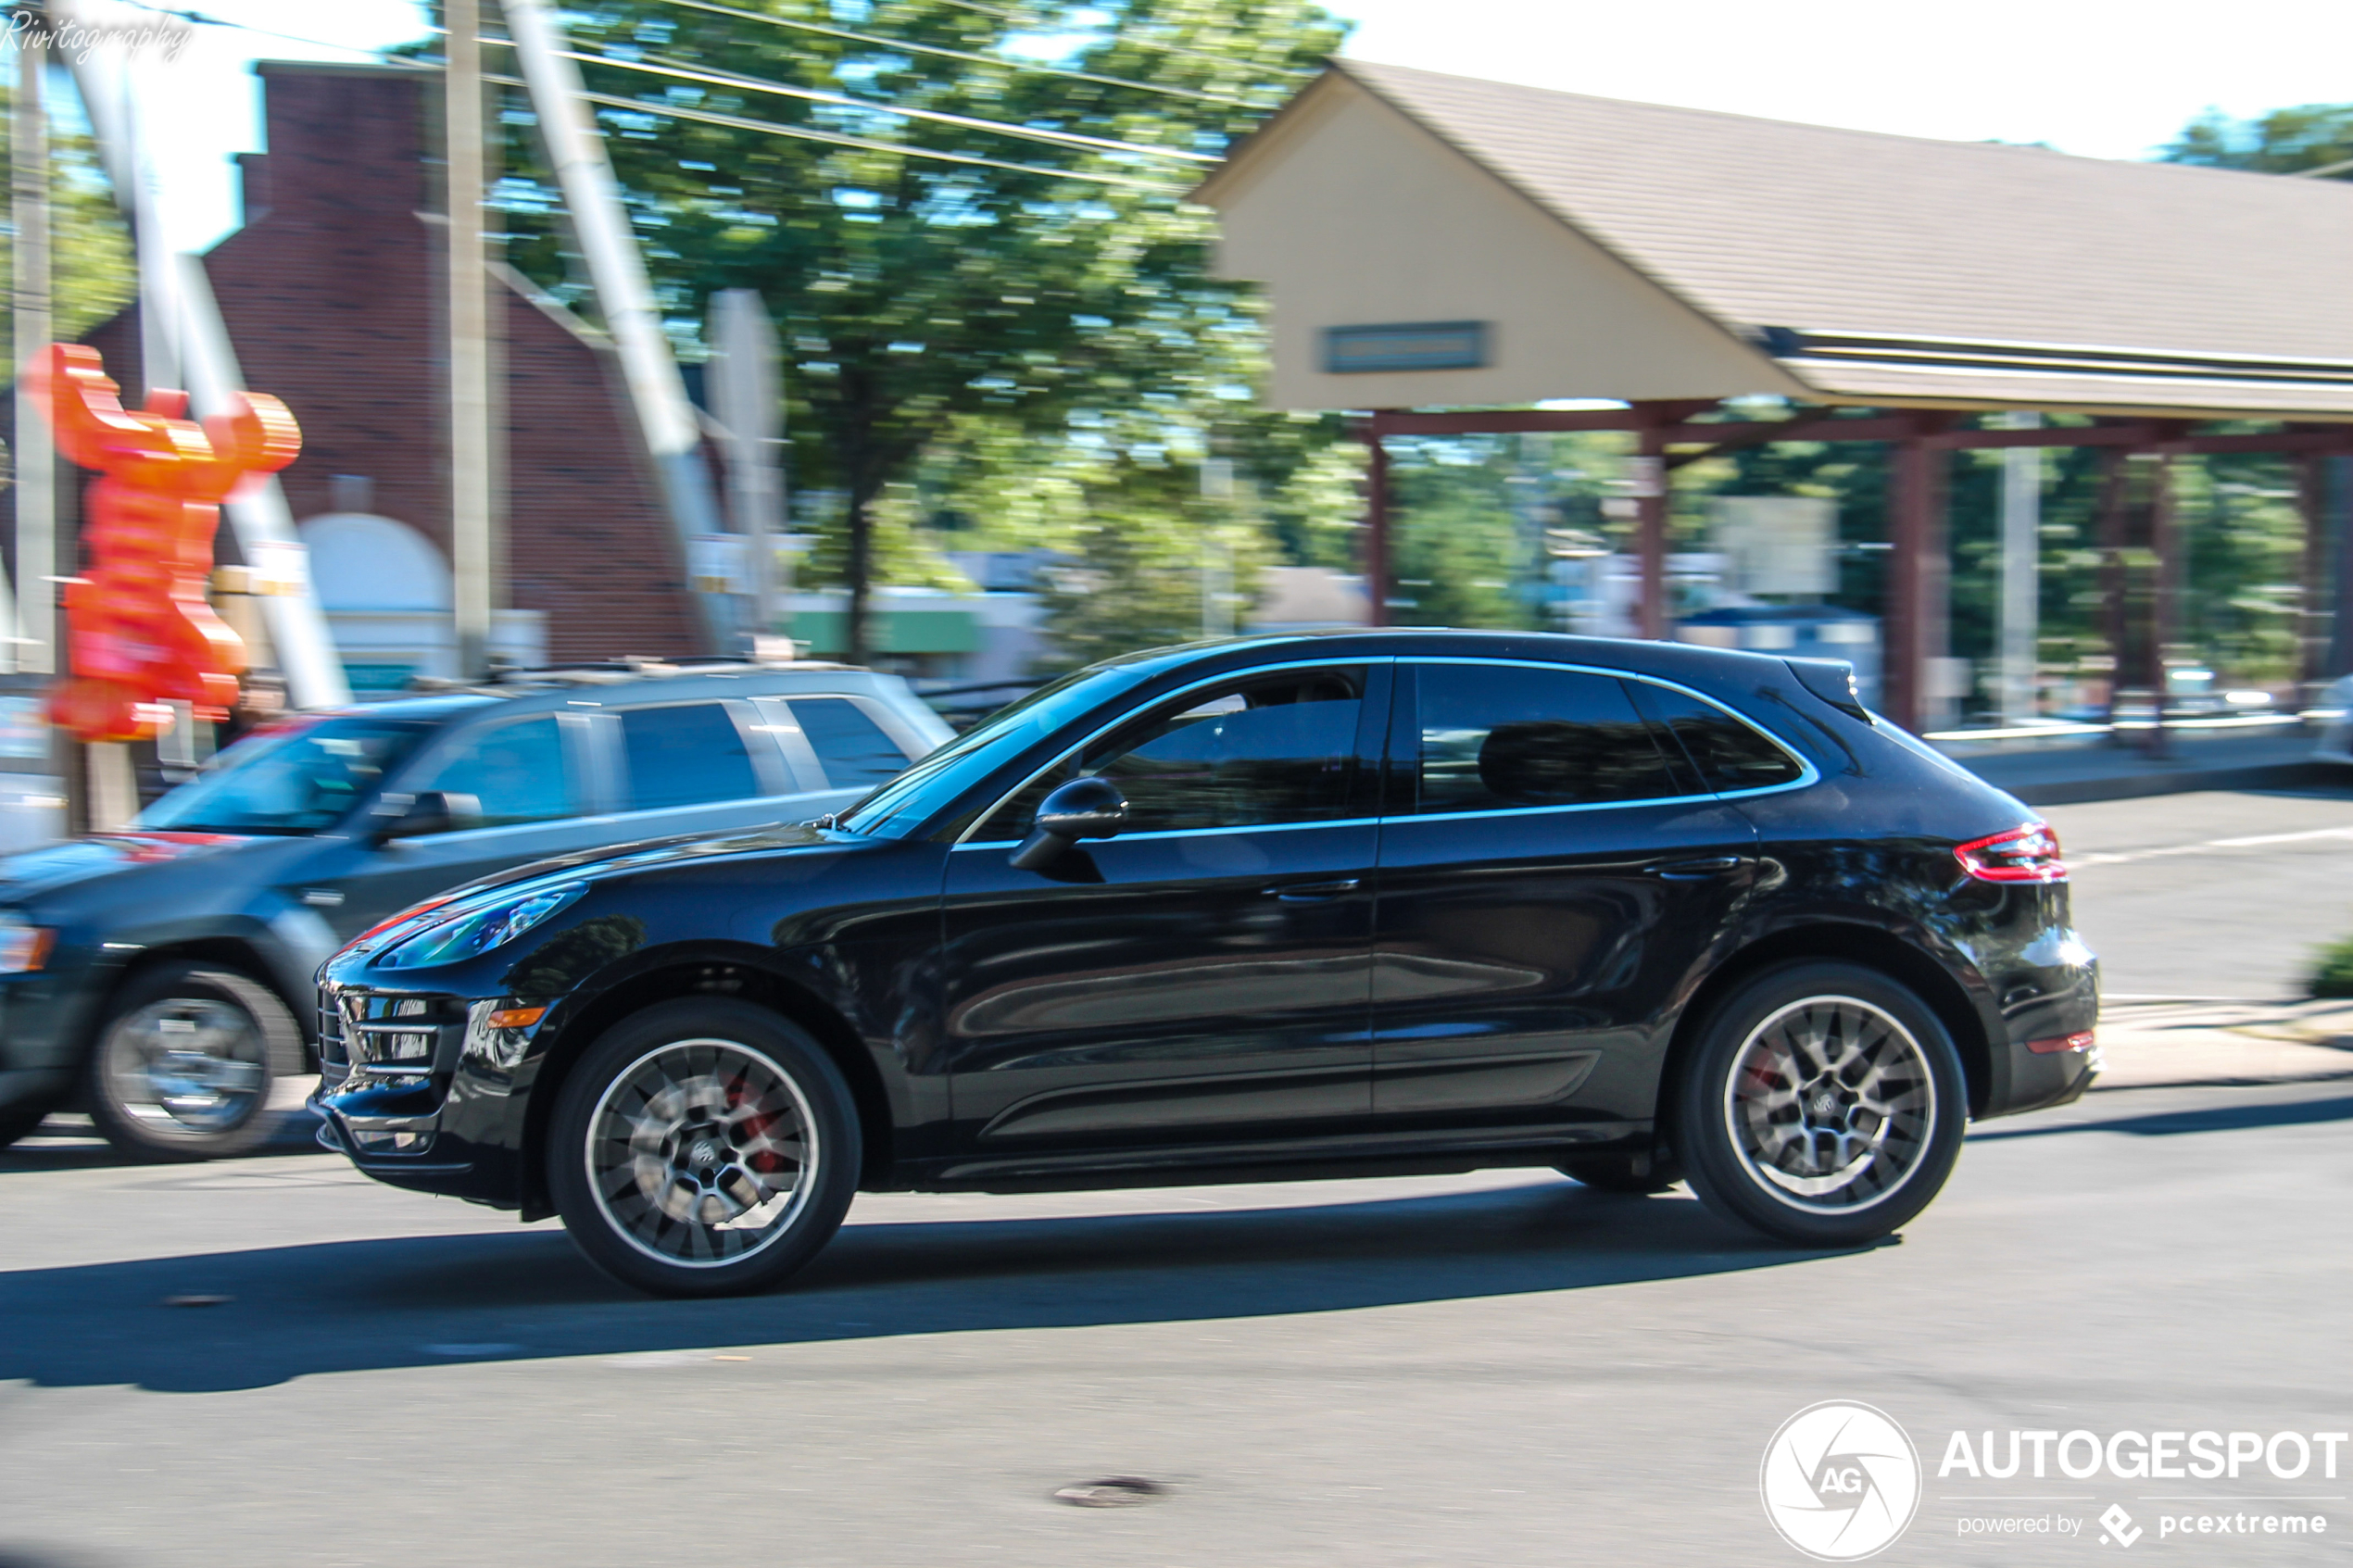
1081, 808
431, 810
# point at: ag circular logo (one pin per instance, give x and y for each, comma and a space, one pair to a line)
1839, 1481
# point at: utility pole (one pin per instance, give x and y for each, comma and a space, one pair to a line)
2021, 570
617, 272
36, 459
745, 398
469, 343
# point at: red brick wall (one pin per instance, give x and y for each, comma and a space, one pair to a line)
332, 296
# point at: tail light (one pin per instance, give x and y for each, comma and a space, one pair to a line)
2030, 853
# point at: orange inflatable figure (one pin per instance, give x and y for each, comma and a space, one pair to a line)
142, 633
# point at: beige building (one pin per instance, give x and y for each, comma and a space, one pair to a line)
1432, 246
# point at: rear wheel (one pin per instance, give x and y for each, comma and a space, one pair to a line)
703, 1147
1825, 1105
186, 1062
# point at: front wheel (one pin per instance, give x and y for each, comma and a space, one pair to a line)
1824, 1104
703, 1147
187, 1061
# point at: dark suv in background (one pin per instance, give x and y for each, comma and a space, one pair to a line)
161, 975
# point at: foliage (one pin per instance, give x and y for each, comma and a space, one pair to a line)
2307, 137
2332, 973
90, 270
920, 298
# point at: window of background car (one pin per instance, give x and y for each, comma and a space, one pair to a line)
1730, 754
854, 749
1499, 736
685, 754
1252, 752
905, 803
298, 777
516, 772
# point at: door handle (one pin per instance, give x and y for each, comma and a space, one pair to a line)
1309, 892
1693, 870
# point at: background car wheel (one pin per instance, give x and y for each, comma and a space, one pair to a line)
1824, 1106
1641, 1176
186, 1061
703, 1149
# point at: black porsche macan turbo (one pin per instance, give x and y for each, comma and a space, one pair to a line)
1372, 903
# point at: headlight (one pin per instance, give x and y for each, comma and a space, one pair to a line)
479, 930
24, 946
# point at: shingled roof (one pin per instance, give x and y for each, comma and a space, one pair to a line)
1872, 266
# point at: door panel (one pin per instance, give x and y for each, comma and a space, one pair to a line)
1181, 994
1204, 975
1541, 902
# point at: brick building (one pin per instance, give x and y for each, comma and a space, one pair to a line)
332, 296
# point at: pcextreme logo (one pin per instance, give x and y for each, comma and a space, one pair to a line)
1841, 1481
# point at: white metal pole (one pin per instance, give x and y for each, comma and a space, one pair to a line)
2021, 570
617, 273
469, 345
745, 398
33, 644
265, 525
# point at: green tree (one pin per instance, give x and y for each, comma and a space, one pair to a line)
1030, 286
2282, 142
90, 270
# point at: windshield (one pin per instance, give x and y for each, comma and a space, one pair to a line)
898, 808
301, 777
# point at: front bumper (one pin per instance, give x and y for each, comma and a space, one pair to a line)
420, 1090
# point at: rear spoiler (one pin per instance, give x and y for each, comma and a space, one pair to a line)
1832, 680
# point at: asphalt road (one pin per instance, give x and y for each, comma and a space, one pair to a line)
2217, 894
1498, 1369
275, 1360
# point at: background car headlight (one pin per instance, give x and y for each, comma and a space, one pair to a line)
24, 946
479, 930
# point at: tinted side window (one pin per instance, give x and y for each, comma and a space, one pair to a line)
684, 755
515, 772
1730, 754
851, 747
1495, 736
1279, 748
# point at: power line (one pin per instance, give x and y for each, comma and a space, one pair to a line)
799, 134
902, 45
676, 71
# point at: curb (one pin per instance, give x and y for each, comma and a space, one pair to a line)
2176, 781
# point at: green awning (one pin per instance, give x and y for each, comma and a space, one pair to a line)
888, 631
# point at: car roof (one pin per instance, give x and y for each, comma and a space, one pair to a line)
621, 685
1675, 662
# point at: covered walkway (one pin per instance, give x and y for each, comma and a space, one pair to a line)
1444, 255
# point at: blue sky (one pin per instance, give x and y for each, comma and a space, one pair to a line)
2097, 78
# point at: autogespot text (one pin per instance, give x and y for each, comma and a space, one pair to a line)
2139, 1456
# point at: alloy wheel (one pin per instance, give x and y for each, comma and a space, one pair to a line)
702, 1152
1830, 1104
187, 1066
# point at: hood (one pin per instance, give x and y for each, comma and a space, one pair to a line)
36, 872
590, 864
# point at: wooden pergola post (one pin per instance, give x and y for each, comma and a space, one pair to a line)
2164, 589
1917, 611
2115, 610
1650, 523
1376, 524
2313, 605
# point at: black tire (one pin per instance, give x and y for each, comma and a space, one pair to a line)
673, 1119
1637, 1176
241, 1044
21, 1121
1831, 1144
